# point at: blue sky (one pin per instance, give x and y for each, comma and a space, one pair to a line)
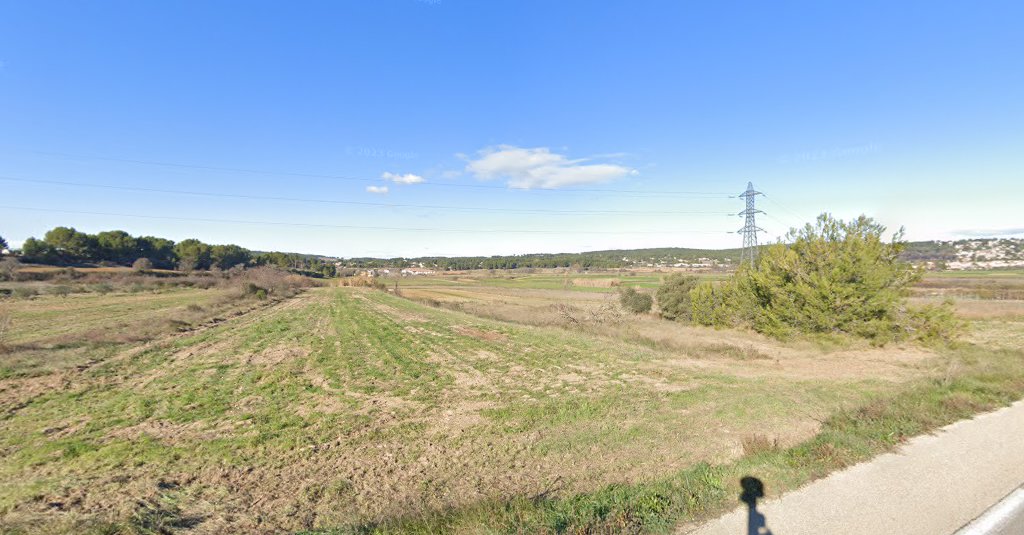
506, 127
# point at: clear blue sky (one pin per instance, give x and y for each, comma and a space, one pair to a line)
911, 112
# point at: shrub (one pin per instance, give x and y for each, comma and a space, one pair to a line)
252, 289
634, 301
5, 325
62, 290
708, 303
102, 288
934, 323
674, 299
142, 264
261, 294
835, 277
8, 268
25, 292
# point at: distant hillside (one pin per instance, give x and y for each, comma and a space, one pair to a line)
624, 258
980, 253
987, 253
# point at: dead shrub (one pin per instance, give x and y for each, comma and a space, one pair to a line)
5, 325
272, 281
569, 313
142, 264
756, 444
25, 292
9, 268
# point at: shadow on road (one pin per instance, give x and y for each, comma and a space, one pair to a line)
752, 490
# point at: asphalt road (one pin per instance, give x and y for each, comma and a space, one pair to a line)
1004, 518
934, 485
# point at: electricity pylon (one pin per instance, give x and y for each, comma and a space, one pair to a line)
750, 227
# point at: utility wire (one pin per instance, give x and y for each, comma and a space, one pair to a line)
354, 203
379, 180
359, 227
799, 218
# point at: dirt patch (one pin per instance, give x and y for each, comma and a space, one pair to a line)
396, 314
176, 433
480, 334
276, 355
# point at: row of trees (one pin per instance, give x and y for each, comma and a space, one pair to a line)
65, 245
590, 260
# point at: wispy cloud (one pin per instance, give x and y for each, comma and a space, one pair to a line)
538, 167
407, 178
382, 190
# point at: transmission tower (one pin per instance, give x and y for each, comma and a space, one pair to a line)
750, 228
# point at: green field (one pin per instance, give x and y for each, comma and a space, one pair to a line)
348, 409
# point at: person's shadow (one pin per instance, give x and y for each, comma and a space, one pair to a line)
752, 490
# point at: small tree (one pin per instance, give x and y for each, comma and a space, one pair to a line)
634, 301
3, 244
674, 299
142, 264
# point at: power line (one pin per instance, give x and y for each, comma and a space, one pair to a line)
799, 218
354, 203
379, 180
358, 227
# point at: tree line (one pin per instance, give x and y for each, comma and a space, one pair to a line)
609, 259
67, 246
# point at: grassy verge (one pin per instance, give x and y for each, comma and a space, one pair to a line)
979, 380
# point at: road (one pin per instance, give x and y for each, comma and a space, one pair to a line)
935, 484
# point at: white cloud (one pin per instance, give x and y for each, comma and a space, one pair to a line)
540, 168
407, 178
377, 189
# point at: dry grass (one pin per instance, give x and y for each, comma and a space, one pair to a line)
757, 444
349, 406
599, 315
596, 283
407, 408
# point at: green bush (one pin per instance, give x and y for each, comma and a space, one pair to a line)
62, 290
674, 299
833, 278
708, 303
634, 301
934, 323
261, 294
